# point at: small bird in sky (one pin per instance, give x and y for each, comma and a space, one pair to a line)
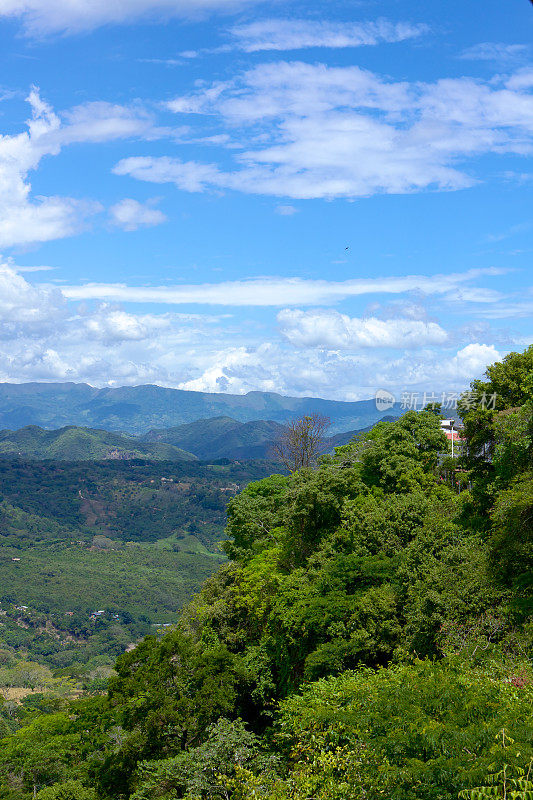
347, 248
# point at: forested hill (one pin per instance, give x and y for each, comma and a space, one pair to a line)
206, 439
133, 539
137, 409
369, 638
223, 437
84, 444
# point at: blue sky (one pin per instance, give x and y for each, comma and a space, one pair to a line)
304, 197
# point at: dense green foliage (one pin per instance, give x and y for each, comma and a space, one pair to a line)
369, 637
421, 730
140, 501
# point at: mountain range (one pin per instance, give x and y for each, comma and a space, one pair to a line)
139, 409
223, 437
204, 440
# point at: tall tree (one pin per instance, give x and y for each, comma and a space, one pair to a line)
302, 442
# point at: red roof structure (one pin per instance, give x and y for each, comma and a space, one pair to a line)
455, 434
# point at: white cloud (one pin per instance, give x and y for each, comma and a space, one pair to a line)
26, 219
330, 373
44, 337
520, 178
96, 122
129, 215
470, 360
511, 308
114, 325
22, 219
277, 291
190, 176
329, 132
296, 34
188, 359
495, 51
35, 269
522, 79
286, 211
42, 17
332, 330
25, 307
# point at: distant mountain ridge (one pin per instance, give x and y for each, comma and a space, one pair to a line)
139, 409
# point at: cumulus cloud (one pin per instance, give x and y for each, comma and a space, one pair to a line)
271, 367
273, 291
116, 325
26, 219
41, 17
47, 337
297, 34
129, 215
185, 360
44, 337
26, 307
332, 330
330, 132
470, 360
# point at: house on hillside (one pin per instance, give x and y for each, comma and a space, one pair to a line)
453, 431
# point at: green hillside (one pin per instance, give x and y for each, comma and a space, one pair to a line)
144, 582
53, 577
84, 444
223, 437
370, 636
205, 439
141, 501
134, 539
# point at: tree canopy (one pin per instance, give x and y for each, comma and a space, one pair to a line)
370, 636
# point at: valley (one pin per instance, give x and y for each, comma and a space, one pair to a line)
134, 539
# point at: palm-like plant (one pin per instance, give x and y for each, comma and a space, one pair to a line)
509, 783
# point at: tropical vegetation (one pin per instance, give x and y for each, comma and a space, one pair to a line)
369, 636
